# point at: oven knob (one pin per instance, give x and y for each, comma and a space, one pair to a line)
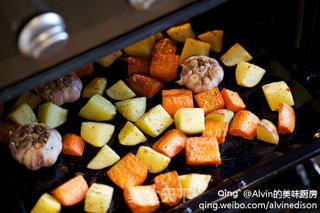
42, 36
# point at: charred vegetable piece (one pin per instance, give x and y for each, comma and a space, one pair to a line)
130, 135
276, 93
155, 121
244, 124
47, 203
181, 32
129, 171
169, 188
108, 60
98, 108
215, 38
164, 67
286, 119
190, 120
65, 89
52, 115
174, 99
201, 73
23, 115
98, 198
138, 65
28, 97
132, 109
144, 85
104, 158
232, 100
210, 100
235, 55
216, 129
96, 134
202, 151
35, 145
165, 46
141, 48
71, 192
96, 86
194, 47
194, 184
141, 198
171, 143
120, 91
153, 160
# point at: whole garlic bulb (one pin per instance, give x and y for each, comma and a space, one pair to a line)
35, 145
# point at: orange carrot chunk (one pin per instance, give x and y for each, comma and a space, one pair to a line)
232, 100
202, 151
85, 70
216, 129
129, 171
138, 65
210, 100
141, 198
169, 188
244, 124
164, 67
286, 119
165, 46
174, 99
144, 85
71, 192
72, 145
171, 143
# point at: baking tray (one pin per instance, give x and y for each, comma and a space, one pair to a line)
244, 163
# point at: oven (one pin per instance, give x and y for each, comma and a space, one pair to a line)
282, 37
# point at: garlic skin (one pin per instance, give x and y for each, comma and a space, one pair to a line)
35, 145
65, 89
201, 73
